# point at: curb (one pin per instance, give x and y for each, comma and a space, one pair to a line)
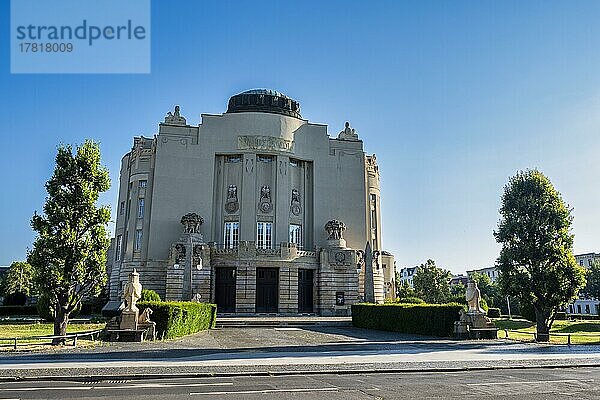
149, 376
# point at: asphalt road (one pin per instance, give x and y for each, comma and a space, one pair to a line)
521, 384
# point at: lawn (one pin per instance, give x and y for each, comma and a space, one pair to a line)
25, 332
582, 332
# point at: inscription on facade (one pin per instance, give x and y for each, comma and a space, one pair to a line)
265, 143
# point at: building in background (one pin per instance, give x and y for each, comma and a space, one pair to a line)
491, 272
459, 279
406, 274
585, 304
256, 209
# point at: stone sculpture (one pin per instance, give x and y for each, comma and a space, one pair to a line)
175, 117
232, 204
191, 223
295, 207
265, 204
474, 323
335, 229
348, 133
132, 293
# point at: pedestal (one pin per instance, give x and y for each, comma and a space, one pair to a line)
129, 319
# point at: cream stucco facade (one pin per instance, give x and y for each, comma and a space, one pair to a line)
257, 184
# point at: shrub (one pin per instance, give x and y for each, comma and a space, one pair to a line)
149, 295
175, 319
493, 312
410, 300
18, 310
421, 319
15, 299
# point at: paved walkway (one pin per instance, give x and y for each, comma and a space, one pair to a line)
288, 349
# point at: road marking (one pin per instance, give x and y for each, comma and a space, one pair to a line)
333, 389
131, 386
529, 382
287, 329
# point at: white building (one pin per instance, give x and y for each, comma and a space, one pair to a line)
407, 274
255, 209
585, 305
491, 272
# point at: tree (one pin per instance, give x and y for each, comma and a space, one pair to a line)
458, 290
536, 261
592, 287
69, 253
403, 289
19, 279
432, 283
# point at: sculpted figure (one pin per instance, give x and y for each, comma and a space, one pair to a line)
335, 229
473, 298
144, 317
132, 291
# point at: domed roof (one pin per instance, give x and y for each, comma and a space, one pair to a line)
264, 100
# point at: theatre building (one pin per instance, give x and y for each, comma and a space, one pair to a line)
257, 210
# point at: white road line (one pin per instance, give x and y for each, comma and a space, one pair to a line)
333, 389
131, 386
529, 382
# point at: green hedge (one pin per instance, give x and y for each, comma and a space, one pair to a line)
421, 319
175, 319
18, 311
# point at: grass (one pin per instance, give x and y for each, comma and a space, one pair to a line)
582, 332
26, 332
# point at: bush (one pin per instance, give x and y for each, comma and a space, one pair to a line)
15, 299
149, 295
421, 319
18, 310
493, 312
175, 319
410, 300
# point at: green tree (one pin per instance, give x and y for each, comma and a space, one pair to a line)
69, 253
536, 261
431, 283
592, 287
403, 289
19, 279
458, 289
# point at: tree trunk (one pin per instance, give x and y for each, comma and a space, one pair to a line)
61, 319
542, 318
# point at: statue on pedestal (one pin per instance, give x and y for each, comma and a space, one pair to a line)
473, 299
474, 323
131, 293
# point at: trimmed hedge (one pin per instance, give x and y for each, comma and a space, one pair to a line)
493, 312
179, 318
18, 311
149, 295
411, 300
421, 319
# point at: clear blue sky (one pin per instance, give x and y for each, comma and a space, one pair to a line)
453, 97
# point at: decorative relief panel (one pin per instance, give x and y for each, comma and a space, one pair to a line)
265, 205
232, 204
295, 207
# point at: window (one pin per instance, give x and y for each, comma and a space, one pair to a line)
119, 244
122, 208
374, 218
231, 234
142, 183
266, 159
296, 234
140, 208
233, 159
138, 240
578, 308
264, 235
587, 308
581, 262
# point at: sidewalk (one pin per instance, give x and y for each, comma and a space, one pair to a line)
279, 350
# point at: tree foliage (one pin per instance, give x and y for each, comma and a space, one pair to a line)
19, 279
69, 253
536, 261
403, 289
431, 283
592, 287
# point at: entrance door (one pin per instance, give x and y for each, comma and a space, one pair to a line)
225, 289
305, 290
267, 290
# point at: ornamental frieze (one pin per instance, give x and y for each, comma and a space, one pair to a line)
269, 143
